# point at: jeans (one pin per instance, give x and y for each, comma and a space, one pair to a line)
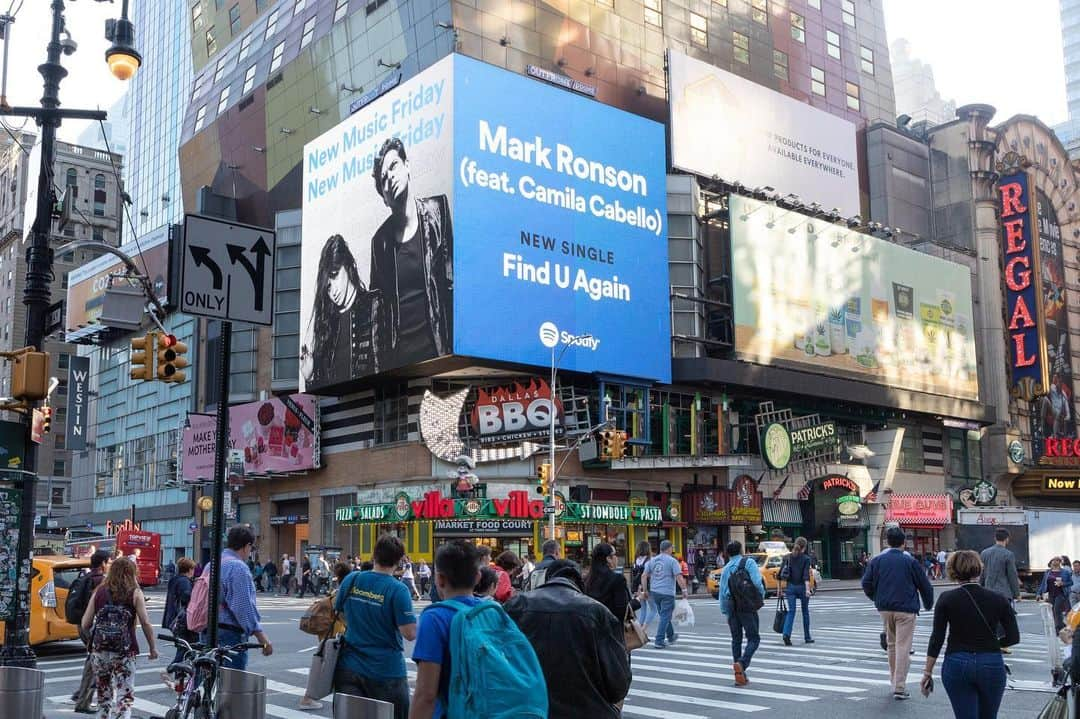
738, 623
792, 593
665, 605
899, 633
975, 683
395, 691
228, 637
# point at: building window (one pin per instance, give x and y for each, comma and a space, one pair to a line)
798, 28
279, 52
245, 47
271, 24
832, 44
196, 16
965, 456
742, 47
59, 468
309, 30
760, 11
699, 30
816, 4
200, 83
99, 234
721, 3
852, 96
223, 99
817, 81
654, 13
341, 10
260, 5
286, 339
200, 118
219, 70
249, 80
911, 450
298, 6
780, 64
57, 496
211, 43
606, 3
866, 55
848, 12
100, 196
72, 182
391, 414
62, 361
234, 20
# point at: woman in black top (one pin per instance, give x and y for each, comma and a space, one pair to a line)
604, 584
973, 671
797, 566
177, 597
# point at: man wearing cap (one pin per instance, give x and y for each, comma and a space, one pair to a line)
662, 574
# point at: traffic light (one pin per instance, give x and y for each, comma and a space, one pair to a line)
607, 444
170, 360
30, 375
46, 419
619, 446
142, 357
543, 476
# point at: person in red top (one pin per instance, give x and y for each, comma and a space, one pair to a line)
684, 568
506, 565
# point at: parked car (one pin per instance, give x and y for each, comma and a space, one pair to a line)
49, 581
769, 564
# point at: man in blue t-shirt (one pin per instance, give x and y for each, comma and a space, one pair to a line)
457, 570
378, 612
662, 573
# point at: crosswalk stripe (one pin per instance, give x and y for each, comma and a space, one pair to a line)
794, 673
758, 658
73, 677
778, 682
631, 710
713, 675
695, 701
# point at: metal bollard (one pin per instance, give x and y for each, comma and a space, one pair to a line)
22, 692
348, 706
241, 695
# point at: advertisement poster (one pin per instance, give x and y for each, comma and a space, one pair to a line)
515, 413
532, 230
10, 506
1054, 417
87, 284
725, 126
276, 435
823, 298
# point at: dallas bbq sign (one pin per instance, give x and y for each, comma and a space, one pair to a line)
515, 413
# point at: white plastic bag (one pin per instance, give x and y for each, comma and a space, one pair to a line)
683, 616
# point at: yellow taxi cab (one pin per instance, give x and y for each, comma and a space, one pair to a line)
768, 562
49, 581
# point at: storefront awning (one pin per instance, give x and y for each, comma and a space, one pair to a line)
781, 512
922, 510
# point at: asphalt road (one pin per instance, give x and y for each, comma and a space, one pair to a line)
844, 674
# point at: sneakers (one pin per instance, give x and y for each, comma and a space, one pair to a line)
901, 695
787, 641
89, 709
740, 675
808, 641
658, 645
309, 704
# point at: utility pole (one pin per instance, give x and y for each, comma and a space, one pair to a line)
37, 293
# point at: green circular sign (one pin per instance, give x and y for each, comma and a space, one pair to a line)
1016, 452
776, 446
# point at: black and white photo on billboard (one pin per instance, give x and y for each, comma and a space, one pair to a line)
377, 249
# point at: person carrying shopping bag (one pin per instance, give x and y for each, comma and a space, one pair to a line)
797, 567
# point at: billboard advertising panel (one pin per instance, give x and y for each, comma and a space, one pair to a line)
277, 435
820, 297
87, 284
532, 229
1054, 418
724, 125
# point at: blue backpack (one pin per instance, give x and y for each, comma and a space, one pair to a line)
494, 670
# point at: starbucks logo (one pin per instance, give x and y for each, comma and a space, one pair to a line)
1016, 451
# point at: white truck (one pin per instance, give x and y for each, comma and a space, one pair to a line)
1051, 533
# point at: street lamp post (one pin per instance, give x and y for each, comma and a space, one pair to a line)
37, 294
571, 341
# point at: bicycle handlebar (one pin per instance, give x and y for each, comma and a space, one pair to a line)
202, 647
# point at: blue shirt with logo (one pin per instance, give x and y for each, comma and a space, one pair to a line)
662, 570
374, 606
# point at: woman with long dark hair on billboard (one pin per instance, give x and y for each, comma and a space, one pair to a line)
339, 341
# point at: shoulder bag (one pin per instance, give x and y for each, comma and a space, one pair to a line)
993, 632
781, 611
634, 634
323, 664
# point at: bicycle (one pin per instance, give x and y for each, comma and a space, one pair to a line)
196, 677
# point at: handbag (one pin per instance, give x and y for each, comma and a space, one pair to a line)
323, 663
989, 628
781, 613
634, 633
1056, 708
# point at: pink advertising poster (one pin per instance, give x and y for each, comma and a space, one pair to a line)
276, 435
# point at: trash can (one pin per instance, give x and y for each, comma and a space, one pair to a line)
22, 692
347, 706
241, 695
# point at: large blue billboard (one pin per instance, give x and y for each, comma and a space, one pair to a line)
475, 212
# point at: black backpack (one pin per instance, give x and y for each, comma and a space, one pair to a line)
744, 592
112, 627
78, 598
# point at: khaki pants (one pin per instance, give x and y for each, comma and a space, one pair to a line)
899, 631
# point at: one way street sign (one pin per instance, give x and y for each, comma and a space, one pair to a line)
228, 270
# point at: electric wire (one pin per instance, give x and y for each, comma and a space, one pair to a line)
123, 203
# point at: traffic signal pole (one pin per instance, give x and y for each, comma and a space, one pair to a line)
220, 454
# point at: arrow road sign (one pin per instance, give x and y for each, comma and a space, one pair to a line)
227, 270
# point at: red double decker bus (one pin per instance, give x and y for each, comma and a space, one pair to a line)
130, 541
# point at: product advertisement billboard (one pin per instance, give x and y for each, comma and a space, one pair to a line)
276, 435
817, 296
87, 284
723, 125
531, 229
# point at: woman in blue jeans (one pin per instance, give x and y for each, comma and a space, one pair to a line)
973, 671
797, 567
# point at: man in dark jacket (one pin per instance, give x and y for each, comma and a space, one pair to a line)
895, 580
537, 576
579, 643
99, 565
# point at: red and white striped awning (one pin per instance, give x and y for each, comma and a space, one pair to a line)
927, 510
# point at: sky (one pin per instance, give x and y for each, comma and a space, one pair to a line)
1000, 52
960, 39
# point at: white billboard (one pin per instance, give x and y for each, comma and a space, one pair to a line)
744, 132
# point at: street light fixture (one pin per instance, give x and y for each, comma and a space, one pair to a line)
570, 342
122, 57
